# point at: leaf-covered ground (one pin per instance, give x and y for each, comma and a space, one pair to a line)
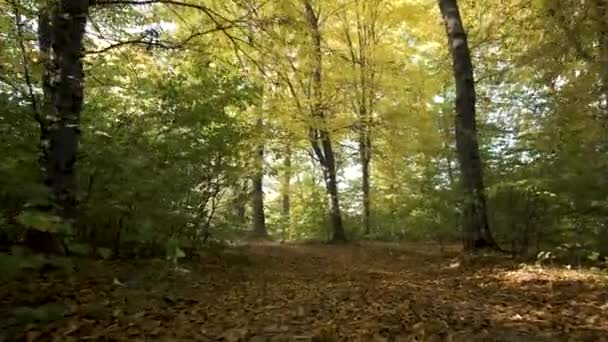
308, 293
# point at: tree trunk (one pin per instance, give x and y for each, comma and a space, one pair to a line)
334, 203
45, 41
257, 195
365, 187
285, 191
61, 33
362, 57
602, 16
259, 219
444, 127
365, 108
318, 133
240, 197
475, 221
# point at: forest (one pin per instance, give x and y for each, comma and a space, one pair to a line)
304, 170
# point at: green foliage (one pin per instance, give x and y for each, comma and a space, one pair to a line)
164, 173
22, 262
169, 135
309, 215
44, 222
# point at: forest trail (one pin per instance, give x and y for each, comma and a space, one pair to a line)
312, 293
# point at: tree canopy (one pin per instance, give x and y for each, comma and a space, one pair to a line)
309, 170
332, 120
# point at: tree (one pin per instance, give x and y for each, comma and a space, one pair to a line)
175, 90
257, 191
362, 52
595, 56
319, 135
286, 189
475, 220
61, 34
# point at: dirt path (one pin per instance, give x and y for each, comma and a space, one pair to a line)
306, 293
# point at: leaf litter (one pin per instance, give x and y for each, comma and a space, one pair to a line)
264, 293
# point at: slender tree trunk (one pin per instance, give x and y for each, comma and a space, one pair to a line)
602, 13
319, 135
365, 108
450, 170
45, 41
362, 55
240, 197
62, 29
476, 228
334, 203
259, 219
364, 139
365, 185
286, 190
257, 196
444, 127
602, 20
602, 17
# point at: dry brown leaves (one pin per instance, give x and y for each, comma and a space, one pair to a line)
268, 293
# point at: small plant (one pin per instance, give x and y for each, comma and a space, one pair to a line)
544, 257
174, 252
602, 264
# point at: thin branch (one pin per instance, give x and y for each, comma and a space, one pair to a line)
209, 12
144, 40
22, 9
26, 68
10, 83
140, 40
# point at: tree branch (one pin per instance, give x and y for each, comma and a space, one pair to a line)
26, 68
209, 12
144, 40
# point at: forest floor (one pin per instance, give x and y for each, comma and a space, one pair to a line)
370, 292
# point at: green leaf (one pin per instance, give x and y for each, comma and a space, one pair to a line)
179, 253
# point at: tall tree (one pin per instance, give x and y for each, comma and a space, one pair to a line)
476, 230
319, 135
362, 51
286, 189
61, 32
257, 191
602, 28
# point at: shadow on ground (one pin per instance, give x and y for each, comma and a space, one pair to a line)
260, 293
